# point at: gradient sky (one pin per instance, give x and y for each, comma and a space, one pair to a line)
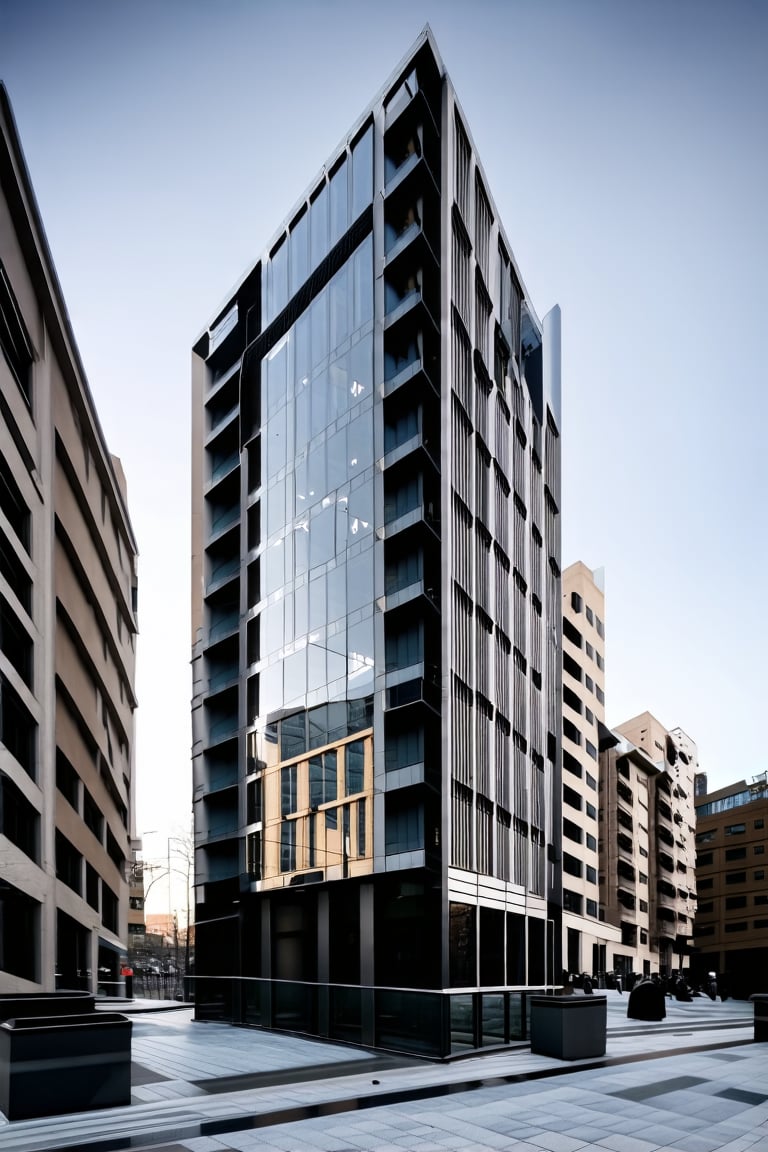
625, 148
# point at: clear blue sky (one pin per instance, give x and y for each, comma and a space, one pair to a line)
625, 146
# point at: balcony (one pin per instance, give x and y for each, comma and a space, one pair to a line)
417, 693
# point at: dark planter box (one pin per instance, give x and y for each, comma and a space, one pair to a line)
50, 1065
568, 1027
13, 1007
760, 1002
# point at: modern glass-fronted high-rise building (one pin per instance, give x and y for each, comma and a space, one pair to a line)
377, 604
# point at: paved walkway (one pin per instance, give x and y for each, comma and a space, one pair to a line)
693, 1083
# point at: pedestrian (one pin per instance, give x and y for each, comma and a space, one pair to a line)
712, 985
618, 983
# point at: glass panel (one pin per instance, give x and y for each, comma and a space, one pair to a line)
408, 1020
339, 211
360, 580
316, 665
362, 173
462, 1025
346, 1014
516, 1030
318, 227
363, 283
299, 249
339, 306
319, 321
493, 1019
360, 658
278, 281
353, 767
321, 537
361, 370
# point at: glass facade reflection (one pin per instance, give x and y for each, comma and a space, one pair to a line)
376, 708
318, 434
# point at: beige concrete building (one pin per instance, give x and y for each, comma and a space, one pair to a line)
67, 630
589, 940
647, 862
731, 930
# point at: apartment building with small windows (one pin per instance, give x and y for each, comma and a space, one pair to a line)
731, 929
377, 604
647, 843
590, 941
67, 631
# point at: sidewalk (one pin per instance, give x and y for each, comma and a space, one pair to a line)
693, 1083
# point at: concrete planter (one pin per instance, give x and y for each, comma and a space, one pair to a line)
13, 1007
50, 1065
568, 1027
760, 1001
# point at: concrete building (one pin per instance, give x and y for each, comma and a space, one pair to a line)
377, 604
67, 630
647, 854
590, 941
731, 929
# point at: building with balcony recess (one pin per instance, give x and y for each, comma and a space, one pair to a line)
591, 943
377, 605
67, 631
647, 843
731, 929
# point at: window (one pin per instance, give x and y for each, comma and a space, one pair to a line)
572, 901
759, 849
735, 853
14, 340
288, 845
571, 731
591, 750
575, 602
571, 865
572, 831
600, 694
592, 908
592, 811
708, 883
643, 905
322, 779
288, 798
18, 730
735, 902
643, 936
591, 782
571, 764
737, 926
703, 859
734, 878
591, 843
353, 767
571, 798
589, 683
759, 824
591, 874
705, 837
19, 820
590, 651
589, 715
571, 632
759, 874
590, 616
735, 829
707, 906
68, 864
